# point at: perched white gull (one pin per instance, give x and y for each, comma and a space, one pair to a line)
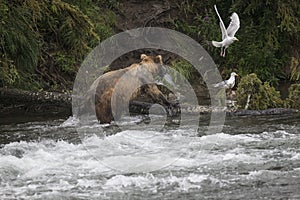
227, 84
227, 34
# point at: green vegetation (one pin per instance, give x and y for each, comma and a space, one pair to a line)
43, 42
293, 101
254, 95
184, 68
269, 34
295, 68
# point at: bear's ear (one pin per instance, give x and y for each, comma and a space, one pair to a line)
159, 59
143, 56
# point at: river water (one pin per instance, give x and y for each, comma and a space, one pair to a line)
253, 157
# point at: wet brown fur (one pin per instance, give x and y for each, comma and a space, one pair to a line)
106, 89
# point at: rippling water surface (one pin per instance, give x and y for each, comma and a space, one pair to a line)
252, 158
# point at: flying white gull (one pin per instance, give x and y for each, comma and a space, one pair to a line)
227, 34
227, 84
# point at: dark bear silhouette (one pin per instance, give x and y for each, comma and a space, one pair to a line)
115, 89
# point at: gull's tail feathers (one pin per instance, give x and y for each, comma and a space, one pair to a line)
217, 44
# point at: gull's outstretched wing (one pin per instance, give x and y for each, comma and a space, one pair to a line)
234, 25
222, 26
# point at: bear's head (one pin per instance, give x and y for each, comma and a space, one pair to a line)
154, 64
155, 59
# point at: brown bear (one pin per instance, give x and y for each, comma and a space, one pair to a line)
115, 89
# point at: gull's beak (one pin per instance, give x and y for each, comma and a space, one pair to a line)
236, 75
237, 39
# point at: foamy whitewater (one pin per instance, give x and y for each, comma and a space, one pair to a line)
254, 157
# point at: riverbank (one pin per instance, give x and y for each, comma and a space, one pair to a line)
24, 105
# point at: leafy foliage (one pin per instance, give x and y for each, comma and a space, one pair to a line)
295, 69
293, 100
268, 30
46, 40
255, 95
184, 68
43, 42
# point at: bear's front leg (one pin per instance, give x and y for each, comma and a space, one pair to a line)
158, 97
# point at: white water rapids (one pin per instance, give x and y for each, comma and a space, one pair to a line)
42, 160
